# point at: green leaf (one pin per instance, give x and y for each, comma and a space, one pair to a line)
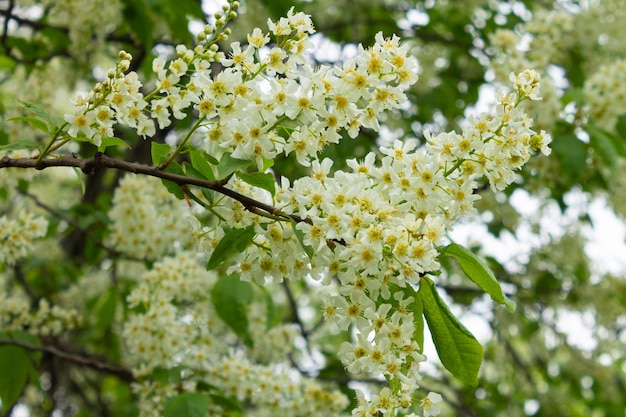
263, 180
35, 109
478, 271
81, 179
15, 368
417, 307
105, 308
187, 404
175, 168
300, 236
20, 144
602, 144
200, 161
229, 404
111, 141
228, 165
267, 163
458, 349
57, 37
620, 126
168, 375
617, 141
160, 151
571, 153
33, 121
271, 317
233, 243
176, 14
137, 15
231, 298
277, 8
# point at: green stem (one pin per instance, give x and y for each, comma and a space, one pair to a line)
60, 144
180, 146
49, 145
454, 167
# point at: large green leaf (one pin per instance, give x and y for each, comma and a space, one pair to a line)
417, 308
231, 298
14, 370
233, 243
478, 271
458, 349
16, 367
263, 180
187, 404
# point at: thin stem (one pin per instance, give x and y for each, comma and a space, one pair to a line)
182, 143
454, 167
49, 145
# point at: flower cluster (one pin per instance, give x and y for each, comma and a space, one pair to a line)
552, 33
117, 99
88, 21
376, 230
17, 235
176, 324
159, 335
266, 101
605, 94
271, 390
16, 315
146, 219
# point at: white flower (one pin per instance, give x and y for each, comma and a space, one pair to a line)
431, 404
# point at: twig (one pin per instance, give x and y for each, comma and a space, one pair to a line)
121, 372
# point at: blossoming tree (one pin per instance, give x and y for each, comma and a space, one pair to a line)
237, 222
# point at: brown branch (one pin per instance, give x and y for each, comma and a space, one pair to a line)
121, 372
89, 165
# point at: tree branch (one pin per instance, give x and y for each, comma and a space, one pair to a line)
89, 165
121, 372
